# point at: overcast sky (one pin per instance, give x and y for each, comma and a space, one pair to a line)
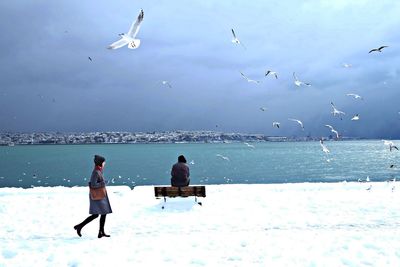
47, 82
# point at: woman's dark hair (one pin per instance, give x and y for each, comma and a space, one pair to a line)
98, 160
181, 158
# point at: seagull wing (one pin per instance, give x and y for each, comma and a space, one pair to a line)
268, 72
372, 50
294, 76
233, 32
117, 44
329, 126
298, 121
336, 132
244, 76
276, 75
136, 25
383, 46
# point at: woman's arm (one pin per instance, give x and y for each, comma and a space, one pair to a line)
97, 180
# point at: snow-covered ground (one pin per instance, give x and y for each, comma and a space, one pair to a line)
340, 224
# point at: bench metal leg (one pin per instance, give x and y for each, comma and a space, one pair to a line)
165, 200
195, 199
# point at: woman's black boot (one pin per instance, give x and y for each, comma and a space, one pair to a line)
78, 229
102, 223
102, 234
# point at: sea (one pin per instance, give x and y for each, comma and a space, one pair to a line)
210, 163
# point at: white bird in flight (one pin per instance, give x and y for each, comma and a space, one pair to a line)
347, 65
222, 157
355, 117
167, 83
336, 111
235, 40
263, 109
355, 96
249, 80
130, 37
299, 83
390, 144
299, 122
333, 130
324, 148
377, 49
272, 73
248, 145
276, 124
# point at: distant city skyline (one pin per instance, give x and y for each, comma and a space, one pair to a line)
57, 75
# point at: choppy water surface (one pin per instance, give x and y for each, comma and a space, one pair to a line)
145, 164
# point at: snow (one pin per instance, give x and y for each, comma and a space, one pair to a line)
320, 224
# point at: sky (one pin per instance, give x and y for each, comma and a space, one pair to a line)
47, 82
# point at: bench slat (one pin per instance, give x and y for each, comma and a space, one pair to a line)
185, 191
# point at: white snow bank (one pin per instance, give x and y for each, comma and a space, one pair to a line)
339, 224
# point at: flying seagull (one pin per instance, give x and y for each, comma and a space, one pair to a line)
222, 157
276, 124
390, 144
248, 145
346, 65
333, 130
249, 80
355, 96
299, 122
263, 109
167, 83
324, 148
355, 117
272, 73
235, 40
299, 83
377, 49
336, 111
130, 37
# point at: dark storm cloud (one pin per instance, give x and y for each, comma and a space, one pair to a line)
49, 84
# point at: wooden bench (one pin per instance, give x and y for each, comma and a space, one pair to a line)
184, 191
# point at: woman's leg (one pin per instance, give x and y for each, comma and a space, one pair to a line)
79, 227
102, 223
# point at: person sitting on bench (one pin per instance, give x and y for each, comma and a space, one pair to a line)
180, 173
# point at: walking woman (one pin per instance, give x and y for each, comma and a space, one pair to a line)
99, 203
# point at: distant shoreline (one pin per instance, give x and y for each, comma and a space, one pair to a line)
169, 137
189, 142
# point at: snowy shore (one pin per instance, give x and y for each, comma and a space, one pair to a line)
321, 224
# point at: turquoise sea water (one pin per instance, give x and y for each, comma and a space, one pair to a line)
148, 164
